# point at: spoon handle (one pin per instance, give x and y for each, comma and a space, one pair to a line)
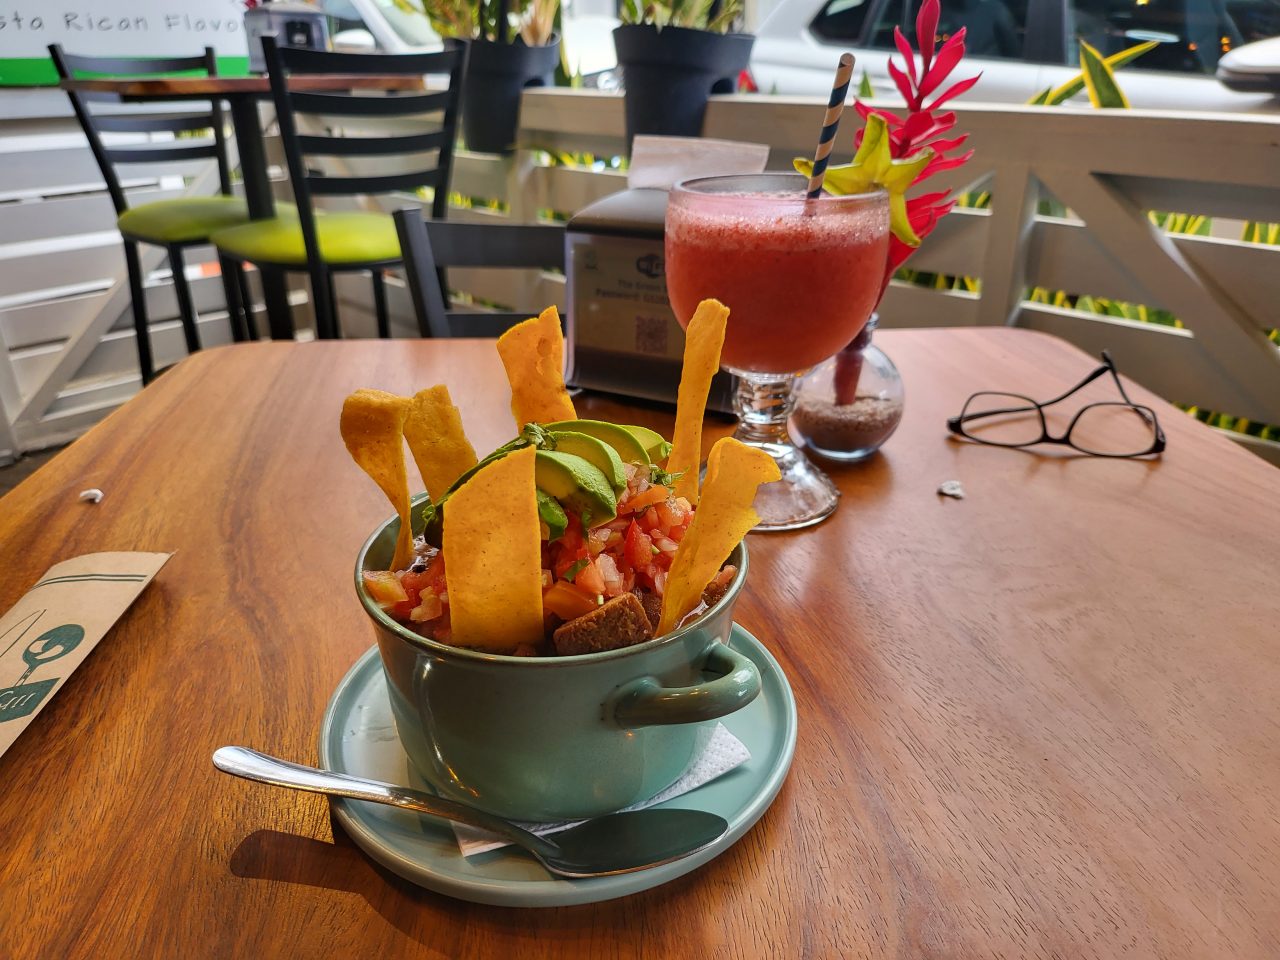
252, 765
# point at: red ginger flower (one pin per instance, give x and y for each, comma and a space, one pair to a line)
923, 126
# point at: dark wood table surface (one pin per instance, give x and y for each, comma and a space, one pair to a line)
1040, 722
242, 95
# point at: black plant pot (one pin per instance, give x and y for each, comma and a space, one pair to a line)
670, 73
496, 75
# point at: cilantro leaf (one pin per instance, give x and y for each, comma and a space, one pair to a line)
576, 569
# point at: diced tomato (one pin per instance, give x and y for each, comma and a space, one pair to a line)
638, 548
669, 515
567, 601
677, 533
649, 521
655, 494
567, 559
573, 537
590, 580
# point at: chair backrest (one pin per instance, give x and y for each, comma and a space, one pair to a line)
284, 62
430, 245
95, 124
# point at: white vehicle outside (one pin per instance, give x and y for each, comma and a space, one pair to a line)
367, 25
1024, 46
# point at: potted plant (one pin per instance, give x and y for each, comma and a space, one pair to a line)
500, 63
674, 54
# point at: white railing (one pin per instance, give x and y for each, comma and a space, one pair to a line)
1107, 167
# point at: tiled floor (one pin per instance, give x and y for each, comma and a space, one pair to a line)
15, 473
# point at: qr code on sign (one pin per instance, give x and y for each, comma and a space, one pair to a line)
651, 335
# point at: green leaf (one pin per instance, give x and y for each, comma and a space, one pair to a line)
662, 478
865, 90
1041, 99
874, 166
1099, 81
1115, 62
631, 11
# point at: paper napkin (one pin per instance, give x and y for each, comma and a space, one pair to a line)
662, 161
721, 753
54, 626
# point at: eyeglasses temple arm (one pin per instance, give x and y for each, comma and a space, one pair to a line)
1082, 384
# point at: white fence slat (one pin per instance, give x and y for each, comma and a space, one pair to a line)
906, 306
1169, 362
955, 247
52, 321
567, 190
1238, 201
479, 175
515, 289
1240, 349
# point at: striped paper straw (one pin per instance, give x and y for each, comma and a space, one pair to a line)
835, 107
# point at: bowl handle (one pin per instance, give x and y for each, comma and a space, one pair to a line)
646, 702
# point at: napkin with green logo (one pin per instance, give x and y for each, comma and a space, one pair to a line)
718, 753
57, 623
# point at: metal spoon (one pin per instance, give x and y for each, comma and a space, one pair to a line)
616, 843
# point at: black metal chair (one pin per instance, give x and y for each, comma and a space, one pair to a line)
323, 243
431, 245
173, 224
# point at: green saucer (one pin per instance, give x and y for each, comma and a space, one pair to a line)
358, 737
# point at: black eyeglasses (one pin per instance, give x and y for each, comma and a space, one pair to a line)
1099, 429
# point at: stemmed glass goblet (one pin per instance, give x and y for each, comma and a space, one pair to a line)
800, 278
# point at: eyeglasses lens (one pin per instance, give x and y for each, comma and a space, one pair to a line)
1113, 429
1001, 418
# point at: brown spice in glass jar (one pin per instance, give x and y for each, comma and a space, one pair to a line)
853, 426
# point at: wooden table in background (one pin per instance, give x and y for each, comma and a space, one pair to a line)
242, 95
1039, 722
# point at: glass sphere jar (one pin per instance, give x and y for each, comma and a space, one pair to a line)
849, 405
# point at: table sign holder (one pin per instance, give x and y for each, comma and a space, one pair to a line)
622, 335
50, 631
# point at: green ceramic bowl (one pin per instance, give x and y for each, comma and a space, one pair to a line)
557, 738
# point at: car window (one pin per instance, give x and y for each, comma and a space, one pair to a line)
842, 20
993, 28
1193, 34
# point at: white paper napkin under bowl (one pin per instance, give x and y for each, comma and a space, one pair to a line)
721, 753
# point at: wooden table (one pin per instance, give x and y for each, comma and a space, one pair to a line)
1038, 722
242, 95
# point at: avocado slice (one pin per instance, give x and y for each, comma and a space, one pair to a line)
577, 484
596, 452
654, 445
552, 514
625, 443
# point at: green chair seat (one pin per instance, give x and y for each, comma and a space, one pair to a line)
182, 220
344, 237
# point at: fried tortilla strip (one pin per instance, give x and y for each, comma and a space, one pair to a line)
493, 555
437, 441
703, 339
372, 426
533, 353
734, 471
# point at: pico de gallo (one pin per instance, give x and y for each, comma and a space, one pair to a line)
582, 569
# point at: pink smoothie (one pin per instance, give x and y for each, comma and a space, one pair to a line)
799, 286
